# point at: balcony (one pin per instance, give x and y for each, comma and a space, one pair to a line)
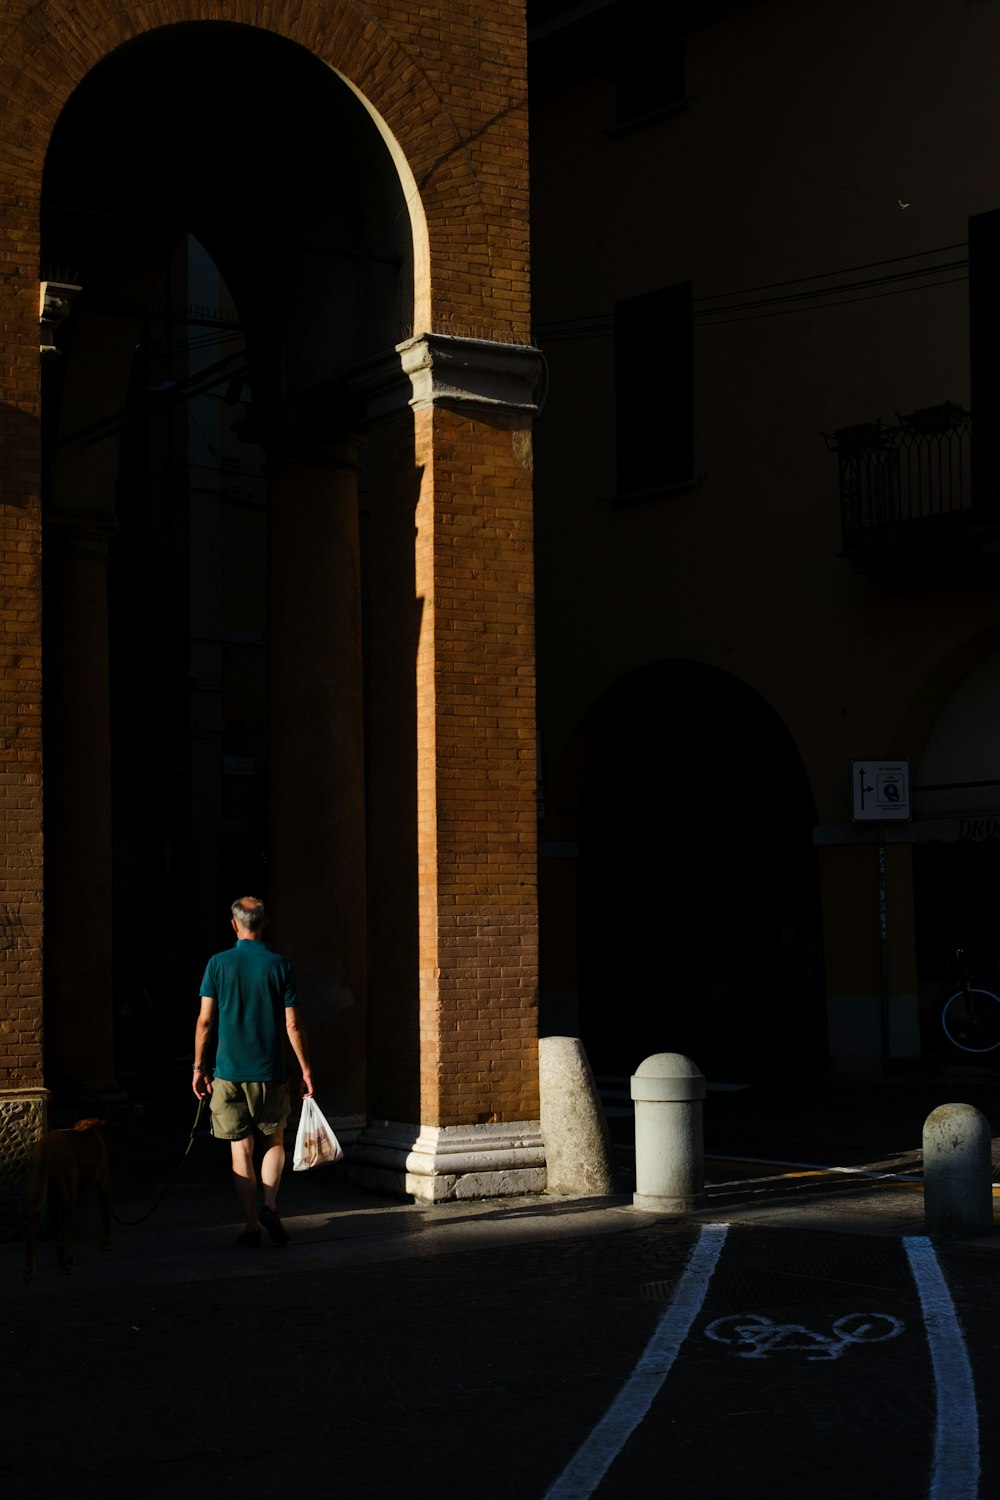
918, 499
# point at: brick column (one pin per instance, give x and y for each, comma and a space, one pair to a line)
454, 1026
79, 1012
316, 764
23, 1099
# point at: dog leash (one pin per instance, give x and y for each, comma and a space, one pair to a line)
130, 1223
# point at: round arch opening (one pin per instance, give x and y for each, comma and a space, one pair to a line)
697, 905
236, 241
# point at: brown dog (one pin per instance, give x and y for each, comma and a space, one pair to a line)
64, 1164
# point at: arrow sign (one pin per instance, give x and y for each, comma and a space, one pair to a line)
880, 791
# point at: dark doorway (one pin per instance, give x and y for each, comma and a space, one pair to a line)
698, 900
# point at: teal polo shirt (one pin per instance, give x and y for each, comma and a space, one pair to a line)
252, 987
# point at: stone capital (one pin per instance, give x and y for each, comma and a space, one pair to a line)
439, 369
313, 450
311, 434
55, 300
81, 533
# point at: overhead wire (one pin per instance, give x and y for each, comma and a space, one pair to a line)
822, 306
599, 325
868, 265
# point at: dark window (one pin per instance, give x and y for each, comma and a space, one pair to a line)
654, 390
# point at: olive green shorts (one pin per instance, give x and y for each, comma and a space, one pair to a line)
238, 1107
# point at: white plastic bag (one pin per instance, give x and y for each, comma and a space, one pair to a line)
315, 1142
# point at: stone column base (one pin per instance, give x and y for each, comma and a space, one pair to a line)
438, 1163
23, 1118
654, 1205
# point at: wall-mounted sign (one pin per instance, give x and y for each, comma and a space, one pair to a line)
880, 791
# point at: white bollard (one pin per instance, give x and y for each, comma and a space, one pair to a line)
668, 1090
958, 1171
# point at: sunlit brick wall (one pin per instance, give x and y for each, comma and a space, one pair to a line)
448, 81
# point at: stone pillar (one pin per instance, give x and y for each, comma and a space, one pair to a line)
454, 1084
79, 1015
316, 882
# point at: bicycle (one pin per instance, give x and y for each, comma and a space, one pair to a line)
970, 1016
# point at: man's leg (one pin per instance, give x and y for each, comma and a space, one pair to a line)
245, 1180
271, 1169
272, 1166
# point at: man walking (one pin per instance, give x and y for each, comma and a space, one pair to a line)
252, 989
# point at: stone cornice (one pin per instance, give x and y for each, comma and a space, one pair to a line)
311, 431
438, 369
55, 300
81, 533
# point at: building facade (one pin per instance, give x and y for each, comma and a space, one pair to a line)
266, 418
764, 250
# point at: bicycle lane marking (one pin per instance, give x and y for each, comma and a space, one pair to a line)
592, 1460
955, 1473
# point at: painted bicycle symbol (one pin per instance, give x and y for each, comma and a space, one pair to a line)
757, 1336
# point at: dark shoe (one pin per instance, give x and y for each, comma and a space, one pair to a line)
273, 1225
249, 1239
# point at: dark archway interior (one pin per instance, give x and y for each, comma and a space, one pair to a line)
253, 145
231, 215
698, 914
956, 891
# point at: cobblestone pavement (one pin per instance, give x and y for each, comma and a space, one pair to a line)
472, 1356
469, 1349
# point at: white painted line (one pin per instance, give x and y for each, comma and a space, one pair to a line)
594, 1458
811, 1166
955, 1474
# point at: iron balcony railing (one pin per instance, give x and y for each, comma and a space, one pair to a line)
910, 480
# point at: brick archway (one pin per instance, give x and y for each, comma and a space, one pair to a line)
448, 416
451, 108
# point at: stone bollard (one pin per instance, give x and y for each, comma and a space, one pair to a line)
668, 1090
958, 1171
578, 1155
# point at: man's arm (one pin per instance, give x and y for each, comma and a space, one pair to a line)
297, 1038
201, 1083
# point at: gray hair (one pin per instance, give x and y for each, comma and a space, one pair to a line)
248, 913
